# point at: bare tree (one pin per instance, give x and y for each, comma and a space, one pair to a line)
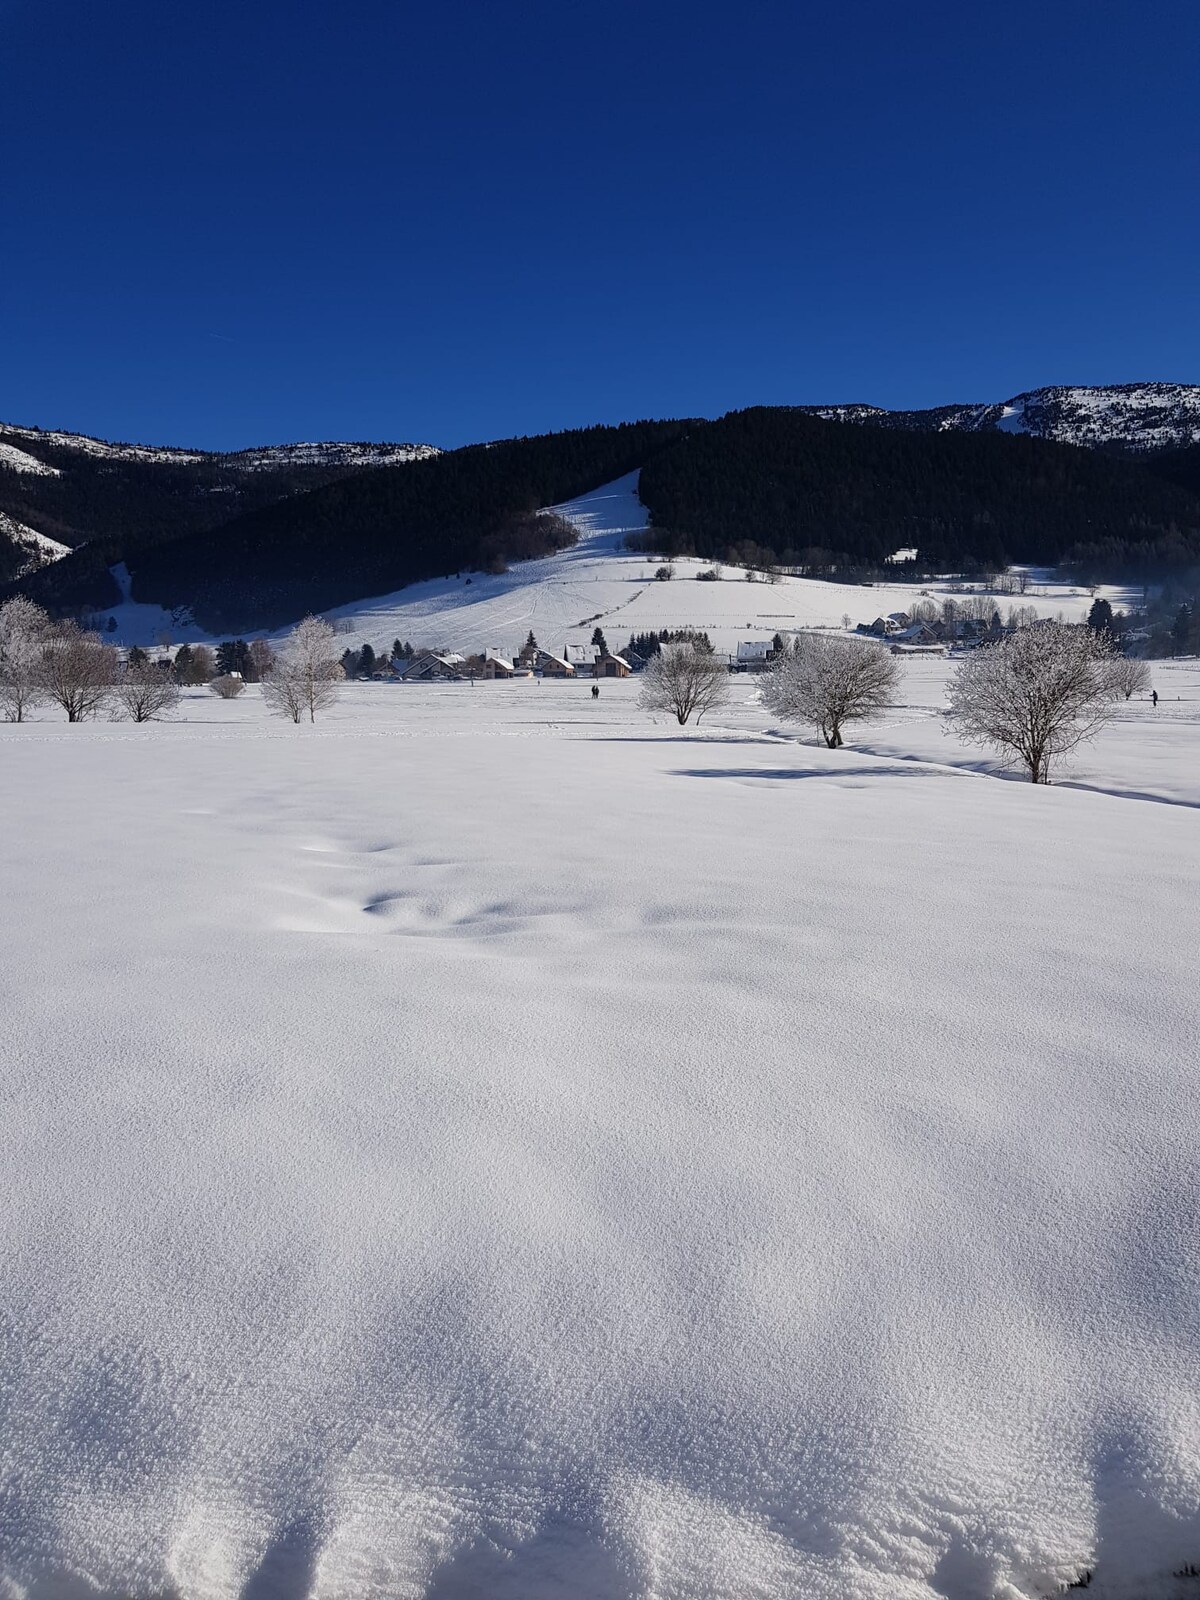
1129, 676
144, 692
830, 682
306, 673
77, 670
686, 680
194, 663
229, 685
23, 629
1036, 695
262, 658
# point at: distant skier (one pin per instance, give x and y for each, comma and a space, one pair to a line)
595, 691
1154, 697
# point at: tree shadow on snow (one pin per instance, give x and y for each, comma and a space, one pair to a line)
287, 1568
835, 772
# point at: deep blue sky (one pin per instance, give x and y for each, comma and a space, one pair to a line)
228, 224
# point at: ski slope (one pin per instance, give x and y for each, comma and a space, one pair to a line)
562, 597
492, 1145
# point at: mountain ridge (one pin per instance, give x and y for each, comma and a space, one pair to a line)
1135, 417
253, 538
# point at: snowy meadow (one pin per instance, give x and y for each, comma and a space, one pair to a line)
495, 1144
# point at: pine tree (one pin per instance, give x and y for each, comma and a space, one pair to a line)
1100, 617
137, 657
366, 661
599, 641
233, 656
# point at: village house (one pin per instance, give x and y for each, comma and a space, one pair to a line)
551, 666
611, 666
753, 655
430, 665
496, 666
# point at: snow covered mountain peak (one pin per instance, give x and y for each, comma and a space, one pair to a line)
1127, 416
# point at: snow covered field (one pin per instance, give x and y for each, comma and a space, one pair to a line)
494, 1145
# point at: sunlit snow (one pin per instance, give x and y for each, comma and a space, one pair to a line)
495, 1145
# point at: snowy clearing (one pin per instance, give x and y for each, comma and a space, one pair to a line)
493, 1145
562, 597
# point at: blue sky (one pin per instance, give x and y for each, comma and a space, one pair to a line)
239, 223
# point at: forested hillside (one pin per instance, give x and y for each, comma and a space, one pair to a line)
113, 501
779, 486
467, 509
248, 548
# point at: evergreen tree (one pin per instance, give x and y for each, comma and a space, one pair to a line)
366, 661
1100, 617
137, 657
1181, 630
598, 641
350, 661
233, 656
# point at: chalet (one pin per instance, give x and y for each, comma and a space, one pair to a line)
581, 655
610, 666
429, 665
496, 666
551, 666
753, 655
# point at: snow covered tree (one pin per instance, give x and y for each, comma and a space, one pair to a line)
23, 629
228, 685
306, 674
686, 680
1129, 675
77, 670
831, 681
1036, 695
144, 692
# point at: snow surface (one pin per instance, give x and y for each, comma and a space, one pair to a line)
494, 1145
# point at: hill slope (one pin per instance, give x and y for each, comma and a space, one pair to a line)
73, 490
374, 532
